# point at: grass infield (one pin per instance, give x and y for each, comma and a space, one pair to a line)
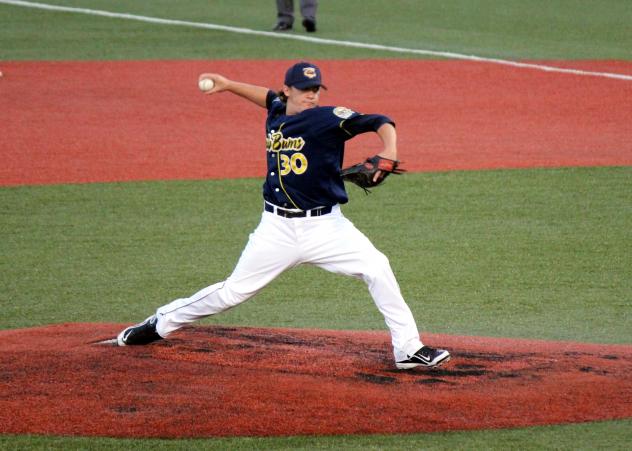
611, 435
538, 254
538, 29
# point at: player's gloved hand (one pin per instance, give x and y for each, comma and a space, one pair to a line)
371, 172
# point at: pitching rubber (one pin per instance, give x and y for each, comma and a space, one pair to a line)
110, 341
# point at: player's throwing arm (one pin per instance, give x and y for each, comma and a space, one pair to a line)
214, 83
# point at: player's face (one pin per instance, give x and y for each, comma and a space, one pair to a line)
299, 100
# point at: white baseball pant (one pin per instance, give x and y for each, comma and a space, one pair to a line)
331, 242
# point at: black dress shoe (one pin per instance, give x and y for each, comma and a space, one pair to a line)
310, 25
282, 27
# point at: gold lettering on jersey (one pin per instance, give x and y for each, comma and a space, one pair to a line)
276, 142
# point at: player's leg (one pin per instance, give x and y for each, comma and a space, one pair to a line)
344, 249
338, 246
270, 251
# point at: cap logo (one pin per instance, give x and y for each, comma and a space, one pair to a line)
309, 72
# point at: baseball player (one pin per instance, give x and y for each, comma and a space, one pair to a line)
302, 222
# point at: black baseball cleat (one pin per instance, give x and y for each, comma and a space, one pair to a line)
140, 334
282, 26
310, 25
426, 356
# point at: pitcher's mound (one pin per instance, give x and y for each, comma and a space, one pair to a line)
229, 381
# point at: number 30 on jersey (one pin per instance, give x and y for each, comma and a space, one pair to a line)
296, 163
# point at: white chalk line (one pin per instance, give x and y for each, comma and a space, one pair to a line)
316, 40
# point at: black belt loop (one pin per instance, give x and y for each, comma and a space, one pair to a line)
320, 211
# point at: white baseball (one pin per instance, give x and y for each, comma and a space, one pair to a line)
206, 84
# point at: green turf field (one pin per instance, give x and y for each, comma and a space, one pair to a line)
534, 253
514, 29
517, 253
577, 437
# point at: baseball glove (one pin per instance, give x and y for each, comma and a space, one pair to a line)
364, 174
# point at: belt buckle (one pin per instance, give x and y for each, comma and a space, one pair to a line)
292, 214
287, 213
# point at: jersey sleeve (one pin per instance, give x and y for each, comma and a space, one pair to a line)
363, 123
272, 100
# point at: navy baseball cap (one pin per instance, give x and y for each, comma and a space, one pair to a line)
304, 75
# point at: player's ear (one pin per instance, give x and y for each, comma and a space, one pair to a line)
286, 90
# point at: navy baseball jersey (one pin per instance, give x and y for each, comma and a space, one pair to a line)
305, 153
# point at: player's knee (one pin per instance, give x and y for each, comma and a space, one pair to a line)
378, 266
231, 296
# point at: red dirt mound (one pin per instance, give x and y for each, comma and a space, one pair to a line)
228, 381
